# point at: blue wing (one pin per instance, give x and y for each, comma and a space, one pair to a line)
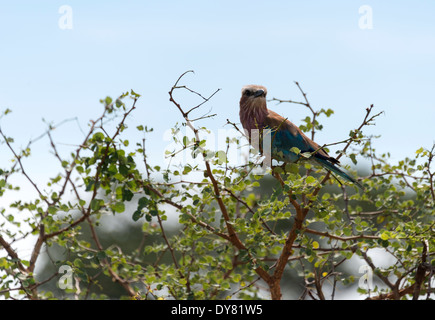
285, 136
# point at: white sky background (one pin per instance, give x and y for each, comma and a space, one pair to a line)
114, 46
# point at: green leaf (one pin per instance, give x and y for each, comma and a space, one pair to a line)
385, 236
52, 210
329, 112
137, 215
119, 103
119, 207
98, 136
101, 255
143, 202
310, 180
108, 100
278, 170
123, 170
127, 195
25, 262
326, 196
295, 150
78, 263
352, 156
96, 204
136, 95
187, 169
292, 168
3, 262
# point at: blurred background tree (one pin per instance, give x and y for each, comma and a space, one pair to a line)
112, 225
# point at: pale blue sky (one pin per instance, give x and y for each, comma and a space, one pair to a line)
115, 46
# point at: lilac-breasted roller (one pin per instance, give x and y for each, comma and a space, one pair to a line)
254, 115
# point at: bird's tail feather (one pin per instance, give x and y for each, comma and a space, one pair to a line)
331, 167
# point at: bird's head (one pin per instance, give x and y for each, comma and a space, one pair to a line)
253, 97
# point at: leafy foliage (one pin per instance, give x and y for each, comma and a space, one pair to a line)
212, 229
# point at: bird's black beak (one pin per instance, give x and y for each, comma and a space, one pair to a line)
258, 93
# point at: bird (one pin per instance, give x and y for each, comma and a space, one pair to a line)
285, 136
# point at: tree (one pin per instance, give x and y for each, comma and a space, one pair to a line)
240, 231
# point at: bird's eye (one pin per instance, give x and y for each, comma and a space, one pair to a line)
248, 92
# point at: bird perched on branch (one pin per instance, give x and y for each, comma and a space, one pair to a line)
288, 142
